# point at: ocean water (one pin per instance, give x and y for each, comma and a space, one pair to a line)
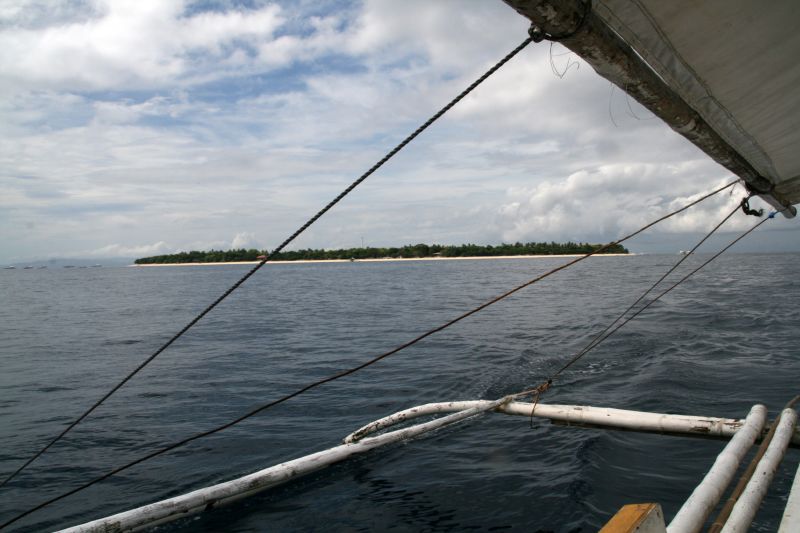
721, 342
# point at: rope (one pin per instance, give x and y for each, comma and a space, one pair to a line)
370, 362
546, 385
291, 238
599, 338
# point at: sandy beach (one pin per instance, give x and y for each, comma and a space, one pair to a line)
381, 260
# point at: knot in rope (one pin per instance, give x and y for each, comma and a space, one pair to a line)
535, 394
541, 389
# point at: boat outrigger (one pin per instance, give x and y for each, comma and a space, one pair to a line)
743, 433
692, 65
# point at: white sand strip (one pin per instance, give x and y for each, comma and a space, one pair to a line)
381, 260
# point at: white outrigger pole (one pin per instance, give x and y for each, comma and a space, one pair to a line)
743, 433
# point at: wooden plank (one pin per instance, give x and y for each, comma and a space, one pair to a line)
637, 517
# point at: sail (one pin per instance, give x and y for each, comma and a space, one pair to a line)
723, 73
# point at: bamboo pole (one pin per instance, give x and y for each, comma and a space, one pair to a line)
745, 509
694, 512
578, 415
790, 523
224, 493
359, 442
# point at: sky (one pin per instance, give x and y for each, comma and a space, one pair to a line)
134, 128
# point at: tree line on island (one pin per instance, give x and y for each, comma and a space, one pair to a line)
409, 251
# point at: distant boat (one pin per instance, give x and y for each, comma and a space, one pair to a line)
9, 268
27, 268
683, 252
69, 266
95, 266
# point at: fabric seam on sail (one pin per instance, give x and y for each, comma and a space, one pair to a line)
374, 360
286, 242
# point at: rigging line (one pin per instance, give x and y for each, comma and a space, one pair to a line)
599, 338
291, 238
544, 386
361, 366
654, 300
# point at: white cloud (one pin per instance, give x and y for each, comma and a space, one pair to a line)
444, 32
244, 240
127, 44
155, 122
119, 250
613, 200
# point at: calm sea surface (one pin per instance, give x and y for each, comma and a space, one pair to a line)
716, 345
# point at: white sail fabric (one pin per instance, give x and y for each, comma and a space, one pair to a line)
736, 62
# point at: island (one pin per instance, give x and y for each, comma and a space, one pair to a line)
412, 251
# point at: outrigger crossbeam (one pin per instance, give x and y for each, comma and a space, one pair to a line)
743, 433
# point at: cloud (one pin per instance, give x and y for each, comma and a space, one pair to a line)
613, 200
442, 33
244, 240
119, 250
188, 123
131, 44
